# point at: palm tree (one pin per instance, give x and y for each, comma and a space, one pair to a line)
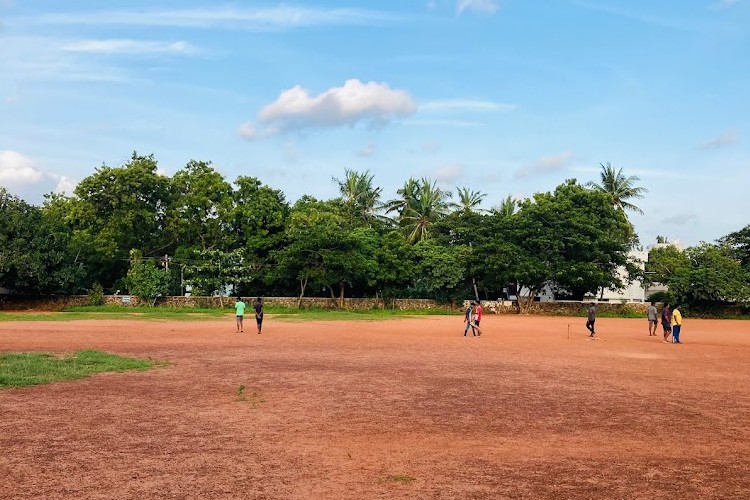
468, 200
619, 187
359, 194
507, 206
429, 204
407, 194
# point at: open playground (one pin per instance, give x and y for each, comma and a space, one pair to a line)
395, 408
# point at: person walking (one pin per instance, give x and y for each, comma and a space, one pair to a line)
478, 317
258, 306
666, 322
468, 318
676, 324
239, 310
653, 322
591, 319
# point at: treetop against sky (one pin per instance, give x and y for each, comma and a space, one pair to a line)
506, 97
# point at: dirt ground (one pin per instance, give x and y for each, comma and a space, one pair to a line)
406, 408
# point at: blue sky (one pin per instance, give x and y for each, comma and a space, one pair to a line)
508, 97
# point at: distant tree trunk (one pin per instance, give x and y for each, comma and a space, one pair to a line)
342, 286
302, 285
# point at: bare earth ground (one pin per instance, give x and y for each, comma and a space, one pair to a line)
356, 409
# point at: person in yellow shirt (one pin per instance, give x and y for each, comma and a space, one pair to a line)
676, 324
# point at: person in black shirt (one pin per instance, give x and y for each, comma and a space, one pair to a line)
258, 306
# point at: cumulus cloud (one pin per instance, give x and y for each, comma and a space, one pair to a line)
544, 165
355, 102
725, 139
64, 185
17, 169
484, 6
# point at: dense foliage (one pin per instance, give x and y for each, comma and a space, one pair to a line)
132, 229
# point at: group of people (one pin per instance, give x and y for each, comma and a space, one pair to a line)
671, 321
472, 318
239, 308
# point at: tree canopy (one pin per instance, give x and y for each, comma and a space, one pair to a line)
214, 235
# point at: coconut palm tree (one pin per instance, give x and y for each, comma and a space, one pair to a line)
468, 200
359, 194
429, 205
507, 206
406, 196
619, 187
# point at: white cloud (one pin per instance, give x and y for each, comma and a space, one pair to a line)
367, 151
295, 109
448, 174
681, 219
248, 131
65, 185
125, 46
227, 17
724, 4
39, 58
466, 105
544, 165
724, 139
17, 169
485, 6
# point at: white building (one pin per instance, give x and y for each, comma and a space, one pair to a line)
634, 292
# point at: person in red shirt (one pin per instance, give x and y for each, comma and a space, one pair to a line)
478, 317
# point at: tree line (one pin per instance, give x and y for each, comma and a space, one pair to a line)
131, 229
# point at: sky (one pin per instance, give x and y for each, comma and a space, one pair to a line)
506, 97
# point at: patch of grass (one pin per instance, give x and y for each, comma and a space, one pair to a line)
24, 369
255, 399
198, 314
399, 478
118, 312
313, 314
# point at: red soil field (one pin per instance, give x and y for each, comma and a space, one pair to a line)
405, 408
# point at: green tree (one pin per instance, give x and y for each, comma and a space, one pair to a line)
407, 194
201, 200
441, 270
713, 275
575, 237
146, 280
35, 250
119, 209
256, 225
468, 200
321, 248
619, 188
507, 207
739, 244
395, 267
360, 196
430, 204
663, 262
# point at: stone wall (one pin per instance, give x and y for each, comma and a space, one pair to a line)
55, 303
561, 308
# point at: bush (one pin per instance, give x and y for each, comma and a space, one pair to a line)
96, 295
